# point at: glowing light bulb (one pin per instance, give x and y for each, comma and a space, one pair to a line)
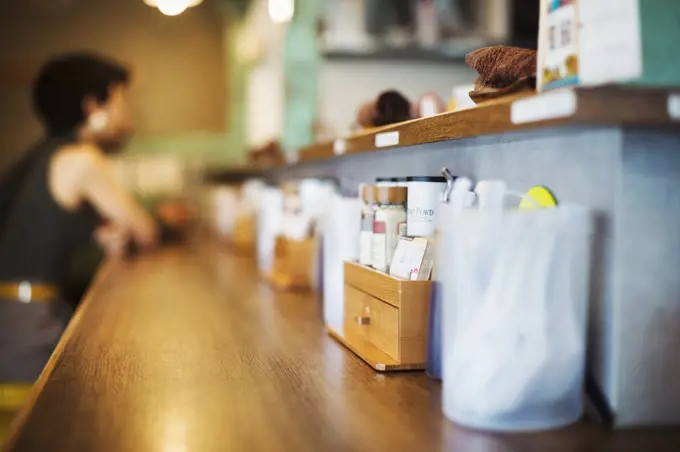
154, 3
173, 7
281, 10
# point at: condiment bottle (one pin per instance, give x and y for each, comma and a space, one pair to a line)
366, 231
424, 194
390, 220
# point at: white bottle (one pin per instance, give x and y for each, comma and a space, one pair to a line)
366, 231
491, 195
388, 225
461, 196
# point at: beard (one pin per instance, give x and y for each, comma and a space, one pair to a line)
114, 144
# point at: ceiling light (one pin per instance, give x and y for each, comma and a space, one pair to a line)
172, 7
281, 10
155, 3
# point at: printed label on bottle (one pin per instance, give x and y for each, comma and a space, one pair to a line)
379, 245
366, 222
420, 213
379, 227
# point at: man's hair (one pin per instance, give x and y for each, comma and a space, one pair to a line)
66, 80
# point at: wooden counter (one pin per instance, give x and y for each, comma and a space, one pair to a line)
187, 351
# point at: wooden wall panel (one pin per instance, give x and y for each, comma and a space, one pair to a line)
179, 62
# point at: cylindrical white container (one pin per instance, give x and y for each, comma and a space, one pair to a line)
251, 194
424, 194
269, 219
340, 244
515, 317
225, 203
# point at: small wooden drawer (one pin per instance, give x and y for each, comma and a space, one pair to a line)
374, 320
294, 264
386, 319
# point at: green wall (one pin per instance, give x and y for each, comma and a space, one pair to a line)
302, 62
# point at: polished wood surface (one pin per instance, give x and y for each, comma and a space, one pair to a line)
372, 355
604, 106
188, 351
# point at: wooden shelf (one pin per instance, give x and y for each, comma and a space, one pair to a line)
604, 106
409, 55
234, 174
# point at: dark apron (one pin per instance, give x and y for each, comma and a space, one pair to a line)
29, 333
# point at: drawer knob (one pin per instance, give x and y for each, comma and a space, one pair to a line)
363, 320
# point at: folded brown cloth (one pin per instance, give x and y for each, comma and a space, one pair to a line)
502, 70
484, 93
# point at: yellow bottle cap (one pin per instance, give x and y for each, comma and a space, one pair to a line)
538, 198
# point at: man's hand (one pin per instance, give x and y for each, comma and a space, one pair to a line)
174, 214
114, 239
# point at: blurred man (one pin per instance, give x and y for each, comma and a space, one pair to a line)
56, 199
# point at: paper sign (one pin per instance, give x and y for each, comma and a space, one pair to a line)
545, 106
339, 146
408, 257
386, 139
674, 107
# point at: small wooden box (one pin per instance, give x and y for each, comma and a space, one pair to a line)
243, 237
386, 319
294, 264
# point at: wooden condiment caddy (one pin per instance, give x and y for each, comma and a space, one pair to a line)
243, 239
294, 264
386, 319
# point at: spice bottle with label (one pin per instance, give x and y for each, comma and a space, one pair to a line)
424, 196
388, 224
367, 216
